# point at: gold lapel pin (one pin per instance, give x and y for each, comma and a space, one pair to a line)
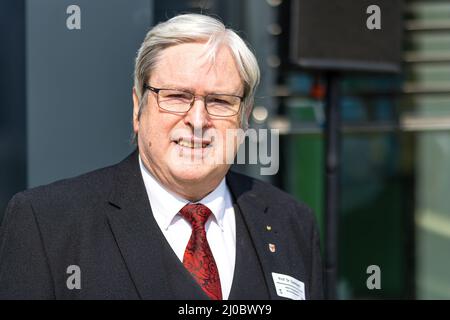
269, 228
272, 247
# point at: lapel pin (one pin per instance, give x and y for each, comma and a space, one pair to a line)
269, 228
272, 247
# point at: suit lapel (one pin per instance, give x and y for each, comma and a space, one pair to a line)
154, 268
129, 219
258, 215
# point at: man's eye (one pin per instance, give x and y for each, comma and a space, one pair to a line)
178, 96
220, 101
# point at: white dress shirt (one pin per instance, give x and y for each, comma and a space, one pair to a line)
220, 227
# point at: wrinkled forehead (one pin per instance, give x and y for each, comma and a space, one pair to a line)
198, 64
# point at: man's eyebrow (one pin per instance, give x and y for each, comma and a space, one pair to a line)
176, 87
191, 90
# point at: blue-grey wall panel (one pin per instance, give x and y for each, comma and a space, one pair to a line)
12, 100
79, 84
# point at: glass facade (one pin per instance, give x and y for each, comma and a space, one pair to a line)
427, 52
393, 206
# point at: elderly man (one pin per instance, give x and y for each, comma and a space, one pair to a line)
170, 221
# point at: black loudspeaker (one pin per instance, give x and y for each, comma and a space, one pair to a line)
358, 35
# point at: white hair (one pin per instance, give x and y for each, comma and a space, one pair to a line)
187, 28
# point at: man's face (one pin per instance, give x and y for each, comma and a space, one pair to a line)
185, 152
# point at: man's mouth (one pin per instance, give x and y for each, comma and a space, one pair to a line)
193, 143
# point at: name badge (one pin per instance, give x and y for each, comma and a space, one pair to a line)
288, 287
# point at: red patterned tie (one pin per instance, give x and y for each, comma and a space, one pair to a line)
198, 258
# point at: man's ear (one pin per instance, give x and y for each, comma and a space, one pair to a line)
135, 111
248, 112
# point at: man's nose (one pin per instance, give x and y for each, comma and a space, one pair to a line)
197, 116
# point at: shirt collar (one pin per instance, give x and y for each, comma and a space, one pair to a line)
166, 204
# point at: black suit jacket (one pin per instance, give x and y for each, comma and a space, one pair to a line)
102, 222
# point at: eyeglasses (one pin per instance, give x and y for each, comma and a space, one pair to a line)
179, 101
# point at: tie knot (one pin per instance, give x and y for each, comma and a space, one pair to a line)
196, 213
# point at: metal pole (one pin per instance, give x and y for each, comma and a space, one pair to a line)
332, 159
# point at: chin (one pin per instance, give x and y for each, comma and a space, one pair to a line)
191, 173
196, 172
